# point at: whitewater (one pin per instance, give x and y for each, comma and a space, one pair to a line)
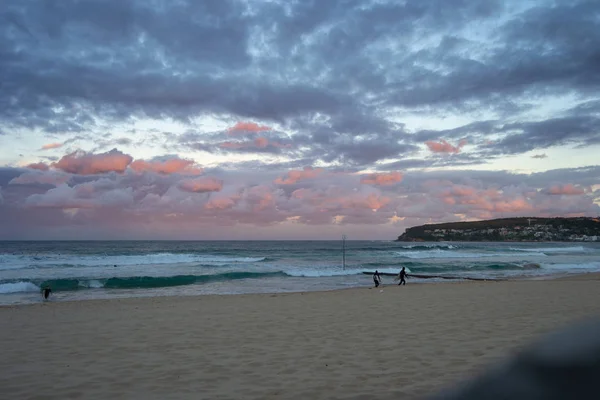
80, 270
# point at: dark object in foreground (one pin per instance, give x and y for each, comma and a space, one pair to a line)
434, 276
562, 365
46, 292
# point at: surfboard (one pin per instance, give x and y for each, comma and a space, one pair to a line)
380, 273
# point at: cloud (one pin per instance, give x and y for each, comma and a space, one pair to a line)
382, 179
201, 185
295, 176
220, 204
252, 200
83, 163
259, 144
344, 85
543, 155
298, 67
247, 127
80, 197
51, 146
169, 165
568, 189
444, 147
39, 177
39, 166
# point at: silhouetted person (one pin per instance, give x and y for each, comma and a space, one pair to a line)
46, 292
376, 278
402, 277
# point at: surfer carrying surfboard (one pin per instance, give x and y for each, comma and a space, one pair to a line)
401, 276
376, 278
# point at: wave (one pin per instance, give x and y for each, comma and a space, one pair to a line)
431, 246
590, 267
56, 260
573, 249
439, 253
134, 282
18, 287
150, 282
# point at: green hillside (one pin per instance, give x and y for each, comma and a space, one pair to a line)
509, 229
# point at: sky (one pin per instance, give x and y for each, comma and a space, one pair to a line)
268, 119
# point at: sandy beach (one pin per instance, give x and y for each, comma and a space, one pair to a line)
401, 342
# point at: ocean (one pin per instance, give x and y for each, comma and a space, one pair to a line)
80, 270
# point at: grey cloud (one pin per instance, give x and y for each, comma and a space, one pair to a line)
543, 134
330, 71
7, 174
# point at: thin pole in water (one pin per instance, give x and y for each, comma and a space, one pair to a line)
343, 251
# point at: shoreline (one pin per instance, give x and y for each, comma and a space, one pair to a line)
585, 276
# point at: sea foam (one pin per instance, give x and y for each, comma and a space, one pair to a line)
17, 287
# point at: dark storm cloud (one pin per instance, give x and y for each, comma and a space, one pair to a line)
328, 71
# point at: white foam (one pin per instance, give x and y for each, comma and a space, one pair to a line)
18, 261
574, 249
432, 246
94, 284
438, 253
591, 266
18, 287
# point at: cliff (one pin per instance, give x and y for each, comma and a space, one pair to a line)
509, 229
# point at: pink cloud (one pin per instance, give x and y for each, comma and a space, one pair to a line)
39, 166
83, 163
513, 205
299, 175
444, 147
167, 167
568, 189
220, 204
201, 185
459, 191
261, 142
371, 202
248, 127
50, 146
472, 201
382, 179
259, 198
336, 199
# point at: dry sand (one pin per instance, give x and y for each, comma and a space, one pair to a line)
403, 342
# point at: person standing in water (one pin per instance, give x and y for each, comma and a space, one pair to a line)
46, 292
376, 278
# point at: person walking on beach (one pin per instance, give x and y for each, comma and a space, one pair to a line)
376, 278
46, 292
402, 276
